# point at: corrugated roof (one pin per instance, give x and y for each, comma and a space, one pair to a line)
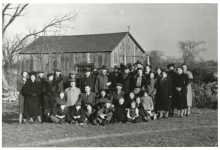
76, 43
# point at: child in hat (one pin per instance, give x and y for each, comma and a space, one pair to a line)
77, 114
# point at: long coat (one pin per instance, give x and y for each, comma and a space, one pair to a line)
72, 96
20, 84
100, 82
59, 81
42, 82
83, 81
181, 81
134, 84
31, 91
127, 81
164, 90
189, 89
114, 78
50, 94
150, 87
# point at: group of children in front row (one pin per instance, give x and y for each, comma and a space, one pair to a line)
132, 110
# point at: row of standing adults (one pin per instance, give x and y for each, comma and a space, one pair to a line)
169, 89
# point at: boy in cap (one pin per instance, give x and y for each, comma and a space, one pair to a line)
77, 115
117, 94
59, 78
104, 115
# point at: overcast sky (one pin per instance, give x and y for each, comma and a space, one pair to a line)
154, 26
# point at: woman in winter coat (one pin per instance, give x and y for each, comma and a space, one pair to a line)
188, 88
31, 91
20, 83
181, 82
164, 94
150, 85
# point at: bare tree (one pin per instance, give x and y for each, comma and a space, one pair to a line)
190, 50
11, 13
155, 56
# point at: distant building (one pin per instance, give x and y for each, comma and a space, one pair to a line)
74, 52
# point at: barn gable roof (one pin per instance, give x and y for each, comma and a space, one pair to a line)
77, 43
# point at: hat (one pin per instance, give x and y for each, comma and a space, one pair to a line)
58, 69
103, 90
139, 68
72, 80
116, 67
148, 66
72, 72
171, 65
40, 71
119, 84
49, 74
104, 67
138, 62
87, 69
33, 73
126, 67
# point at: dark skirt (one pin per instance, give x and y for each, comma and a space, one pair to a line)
31, 107
21, 103
180, 101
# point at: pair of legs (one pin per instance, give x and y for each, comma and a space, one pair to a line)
187, 111
136, 120
180, 112
161, 114
20, 118
102, 121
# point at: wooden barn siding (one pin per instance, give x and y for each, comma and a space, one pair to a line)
126, 47
67, 62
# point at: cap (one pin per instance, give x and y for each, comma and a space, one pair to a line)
116, 67
50, 74
40, 71
140, 69
119, 84
77, 104
126, 67
72, 72
138, 62
104, 67
148, 66
33, 73
58, 69
171, 65
108, 101
72, 80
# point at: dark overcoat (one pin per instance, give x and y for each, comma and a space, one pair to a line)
116, 96
164, 90
90, 81
59, 81
181, 81
114, 78
150, 87
31, 91
127, 81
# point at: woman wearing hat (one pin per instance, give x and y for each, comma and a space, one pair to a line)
189, 88
31, 91
158, 73
20, 83
164, 94
181, 82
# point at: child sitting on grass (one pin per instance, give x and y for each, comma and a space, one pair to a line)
147, 104
133, 114
77, 115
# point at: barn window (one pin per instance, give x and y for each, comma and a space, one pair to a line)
81, 67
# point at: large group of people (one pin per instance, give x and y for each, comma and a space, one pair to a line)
130, 93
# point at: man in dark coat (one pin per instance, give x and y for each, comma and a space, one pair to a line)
172, 74
59, 78
50, 94
117, 94
87, 97
120, 114
114, 78
77, 115
181, 82
126, 81
139, 82
102, 80
87, 79
66, 80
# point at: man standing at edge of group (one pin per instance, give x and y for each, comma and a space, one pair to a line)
58, 77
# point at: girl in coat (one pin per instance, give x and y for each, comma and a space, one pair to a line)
164, 94
20, 83
181, 82
32, 90
188, 88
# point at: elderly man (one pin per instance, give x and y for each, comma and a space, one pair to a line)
58, 77
87, 79
102, 80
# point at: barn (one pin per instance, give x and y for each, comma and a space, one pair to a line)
74, 52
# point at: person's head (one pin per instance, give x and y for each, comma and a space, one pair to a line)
131, 67
145, 93
148, 68
33, 75
104, 69
131, 95
72, 83
140, 71
121, 100
179, 70
57, 73
133, 104
62, 106
87, 71
139, 64
40, 73
158, 70
164, 74
184, 67
118, 86
87, 89
126, 70
108, 104
138, 100
50, 76
89, 107
116, 69
62, 94
24, 74
171, 66
72, 74
103, 92
78, 106
151, 75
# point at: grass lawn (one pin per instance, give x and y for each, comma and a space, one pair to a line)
200, 129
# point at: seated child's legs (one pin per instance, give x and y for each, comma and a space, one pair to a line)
54, 119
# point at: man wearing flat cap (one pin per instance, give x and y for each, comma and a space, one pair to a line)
117, 94
102, 80
66, 80
87, 79
59, 78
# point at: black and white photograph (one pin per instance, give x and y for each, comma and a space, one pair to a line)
111, 74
